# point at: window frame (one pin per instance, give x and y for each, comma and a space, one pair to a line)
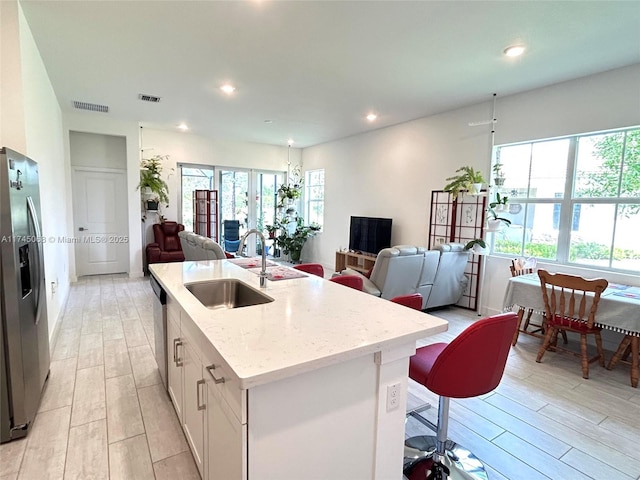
308, 201
568, 201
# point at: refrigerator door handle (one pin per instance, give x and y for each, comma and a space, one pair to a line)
39, 280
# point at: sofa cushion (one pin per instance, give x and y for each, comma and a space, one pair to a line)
397, 270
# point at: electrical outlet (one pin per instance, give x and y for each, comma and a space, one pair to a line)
393, 396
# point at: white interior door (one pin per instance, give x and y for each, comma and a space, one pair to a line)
100, 221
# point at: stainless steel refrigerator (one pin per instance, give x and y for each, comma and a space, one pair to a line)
24, 342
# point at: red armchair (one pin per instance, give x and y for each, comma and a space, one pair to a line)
167, 247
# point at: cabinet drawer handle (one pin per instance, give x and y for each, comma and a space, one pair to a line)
204, 405
176, 359
211, 369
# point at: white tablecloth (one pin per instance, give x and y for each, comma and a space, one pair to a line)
618, 310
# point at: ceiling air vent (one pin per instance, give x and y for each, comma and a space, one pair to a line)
148, 98
92, 107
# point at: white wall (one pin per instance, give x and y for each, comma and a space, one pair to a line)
97, 151
103, 124
32, 124
188, 148
391, 172
12, 133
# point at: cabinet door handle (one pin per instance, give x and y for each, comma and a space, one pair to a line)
204, 405
176, 359
211, 369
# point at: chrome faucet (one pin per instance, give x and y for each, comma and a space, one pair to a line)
263, 271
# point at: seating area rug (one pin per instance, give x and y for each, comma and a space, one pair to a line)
250, 262
278, 272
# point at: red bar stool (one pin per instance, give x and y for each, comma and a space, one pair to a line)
411, 300
471, 365
352, 281
312, 268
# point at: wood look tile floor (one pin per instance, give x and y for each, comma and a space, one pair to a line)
104, 414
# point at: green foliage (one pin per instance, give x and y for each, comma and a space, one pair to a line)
476, 241
150, 177
291, 244
610, 180
494, 216
288, 192
579, 251
499, 200
465, 179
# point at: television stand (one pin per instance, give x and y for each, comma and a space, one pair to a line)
360, 262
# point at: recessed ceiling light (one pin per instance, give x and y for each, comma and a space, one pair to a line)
371, 117
183, 126
514, 50
228, 88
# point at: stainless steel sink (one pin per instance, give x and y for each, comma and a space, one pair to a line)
227, 293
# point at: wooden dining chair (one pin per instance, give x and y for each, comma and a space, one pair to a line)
571, 303
630, 345
517, 270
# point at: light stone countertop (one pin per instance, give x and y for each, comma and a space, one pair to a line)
311, 323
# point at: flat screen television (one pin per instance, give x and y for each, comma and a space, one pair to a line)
369, 235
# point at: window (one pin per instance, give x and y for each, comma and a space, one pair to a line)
574, 200
193, 177
314, 196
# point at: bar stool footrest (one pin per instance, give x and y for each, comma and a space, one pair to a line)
460, 462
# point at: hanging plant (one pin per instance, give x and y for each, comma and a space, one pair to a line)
468, 179
498, 178
150, 178
500, 204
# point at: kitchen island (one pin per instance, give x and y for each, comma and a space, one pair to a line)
310, 385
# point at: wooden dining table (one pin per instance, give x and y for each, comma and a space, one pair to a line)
618, 310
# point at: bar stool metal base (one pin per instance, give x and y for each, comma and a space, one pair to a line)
419, 454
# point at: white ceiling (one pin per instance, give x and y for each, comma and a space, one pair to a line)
316, 68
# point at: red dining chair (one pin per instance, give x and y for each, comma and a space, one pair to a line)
571, 303
411, 300
312, 268
470, 365
352, 281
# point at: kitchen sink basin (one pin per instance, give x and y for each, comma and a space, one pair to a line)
227, 293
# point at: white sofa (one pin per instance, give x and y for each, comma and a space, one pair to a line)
197, 247
437, 274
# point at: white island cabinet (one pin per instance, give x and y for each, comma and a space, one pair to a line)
294, 388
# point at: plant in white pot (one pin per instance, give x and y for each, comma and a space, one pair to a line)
151, 185
477, 245
494, 222
500, 203
468, 179
498, 178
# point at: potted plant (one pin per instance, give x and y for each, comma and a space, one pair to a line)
477, 245
291, 241
288, 193
494, 222
151, 183
468, 179
271, 230
500, 204
498, 178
